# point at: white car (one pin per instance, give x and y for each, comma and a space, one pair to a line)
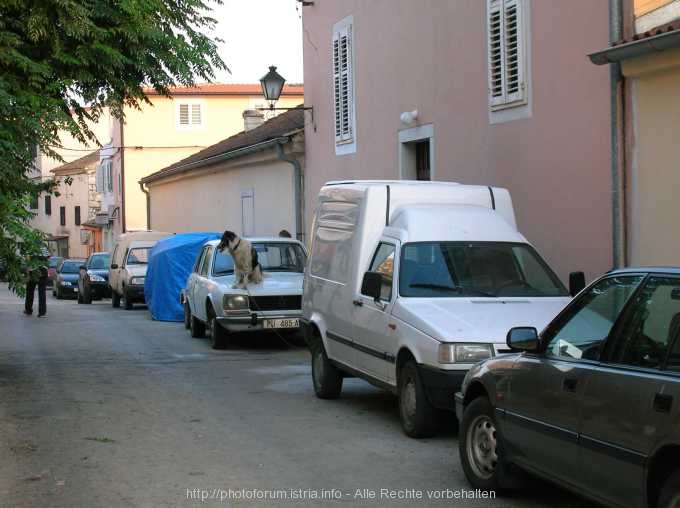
274, 304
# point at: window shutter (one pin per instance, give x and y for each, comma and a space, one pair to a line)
77, 215
495, 33
108, 170
48, 205
99, 184
184, 114
62, 215
514, 85
196, 114
342, 84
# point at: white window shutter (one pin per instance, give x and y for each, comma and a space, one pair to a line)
98, 179
496, 53
184, 114
109, 176
336, 87
514, 60
196, 114
342, 84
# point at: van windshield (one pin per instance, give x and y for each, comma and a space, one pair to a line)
464, 269
273, 257
138, 256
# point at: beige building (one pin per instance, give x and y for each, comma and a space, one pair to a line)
493, 92
166, 131
250, 183
646, 68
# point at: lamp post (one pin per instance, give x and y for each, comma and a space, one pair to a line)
272, 86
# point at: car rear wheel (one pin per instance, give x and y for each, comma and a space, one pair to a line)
187, 316
670, 492
196, 327
419, 418
219, 337
115, 299
326, 377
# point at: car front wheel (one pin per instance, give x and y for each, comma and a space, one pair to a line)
187, 316
670, 492
196, 327
419, 418
326, 377
219, 337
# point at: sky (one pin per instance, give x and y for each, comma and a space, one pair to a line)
257, 34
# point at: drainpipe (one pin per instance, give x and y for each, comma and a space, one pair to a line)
122, 178
298, 190
617, 133
148, 205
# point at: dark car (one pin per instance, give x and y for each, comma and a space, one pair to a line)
593, 403
66, 281
53, 262
93, 279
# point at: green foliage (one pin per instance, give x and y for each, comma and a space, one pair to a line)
57, 56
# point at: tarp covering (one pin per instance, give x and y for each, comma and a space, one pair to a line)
170, 264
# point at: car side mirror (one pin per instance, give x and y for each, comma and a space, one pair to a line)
372, 284
114, 266
523, 338
577, 281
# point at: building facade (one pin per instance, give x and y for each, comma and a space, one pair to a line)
166, 131
494, 92
645, 64
249, 183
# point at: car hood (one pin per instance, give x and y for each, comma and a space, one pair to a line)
70, 277
102, 272
273, 283
476, 319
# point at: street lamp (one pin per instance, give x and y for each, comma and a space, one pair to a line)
272, 86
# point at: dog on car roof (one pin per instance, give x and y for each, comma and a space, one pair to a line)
246, 266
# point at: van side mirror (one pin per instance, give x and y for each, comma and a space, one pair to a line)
114, 266
523, 338
577, 281
372, 284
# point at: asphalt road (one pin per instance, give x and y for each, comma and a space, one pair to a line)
105, 407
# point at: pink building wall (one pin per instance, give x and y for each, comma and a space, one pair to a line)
432, 56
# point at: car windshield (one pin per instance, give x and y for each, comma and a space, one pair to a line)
138, 256
99, 262
54, 261
463, 269
71, 267
273, 257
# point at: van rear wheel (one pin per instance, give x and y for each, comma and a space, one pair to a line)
326, 377
419, 418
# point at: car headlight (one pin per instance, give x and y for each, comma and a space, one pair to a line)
235, 303
464, 353
137, 281
95, 278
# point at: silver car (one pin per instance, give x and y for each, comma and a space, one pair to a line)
274, 304
592, 403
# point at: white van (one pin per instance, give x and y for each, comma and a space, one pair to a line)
128, 266
411, 283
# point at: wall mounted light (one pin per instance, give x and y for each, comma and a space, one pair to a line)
272, 86
408, 117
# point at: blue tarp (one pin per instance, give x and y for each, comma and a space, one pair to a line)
170, 264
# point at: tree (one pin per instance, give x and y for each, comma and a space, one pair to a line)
58, 56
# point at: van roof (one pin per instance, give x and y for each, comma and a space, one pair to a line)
454, 223
370, 183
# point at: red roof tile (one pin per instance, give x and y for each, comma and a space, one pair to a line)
228, 89
659, 30
85, 162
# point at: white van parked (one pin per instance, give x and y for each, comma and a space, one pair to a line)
409, 284
127, 272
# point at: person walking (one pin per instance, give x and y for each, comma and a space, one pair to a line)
37, 277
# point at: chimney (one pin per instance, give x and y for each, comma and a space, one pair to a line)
252, 119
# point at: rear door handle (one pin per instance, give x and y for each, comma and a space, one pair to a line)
569, 384
663, 403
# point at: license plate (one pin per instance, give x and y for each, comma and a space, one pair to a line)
281, 323
75, 290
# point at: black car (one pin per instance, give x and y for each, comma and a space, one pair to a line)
66, 281
592, 403
93, 279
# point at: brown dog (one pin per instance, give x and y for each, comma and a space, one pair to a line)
246, 266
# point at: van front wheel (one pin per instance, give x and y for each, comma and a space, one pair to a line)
419, 418
326, 377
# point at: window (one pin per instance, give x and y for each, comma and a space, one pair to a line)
507, 60
104, 176
581, 332
189, 114
138, 256
206, 261
651, 327
199, 260
34, 202
343, 89
77, 215
48, 205
383, 263
62, 215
